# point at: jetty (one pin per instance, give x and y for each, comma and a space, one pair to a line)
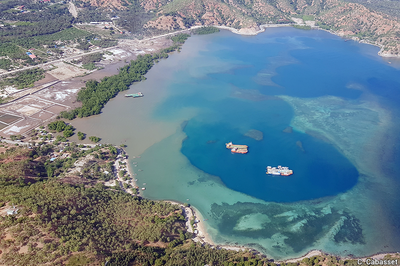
237, 148
280, 170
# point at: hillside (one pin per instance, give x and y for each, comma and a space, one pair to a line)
59, 212
389, 7
347, 19
53, 214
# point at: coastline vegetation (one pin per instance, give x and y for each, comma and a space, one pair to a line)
301, 27
59, 126
94, 139
180, 38
81, 136
205, 30
96, 94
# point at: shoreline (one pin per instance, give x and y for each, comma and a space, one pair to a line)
131, 173
123, 157
263, 27
317, 252
252, 31
205, 238
311, 253
190, 213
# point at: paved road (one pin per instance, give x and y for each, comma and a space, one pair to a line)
14, 142
169, 34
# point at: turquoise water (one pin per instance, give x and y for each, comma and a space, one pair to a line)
339, 97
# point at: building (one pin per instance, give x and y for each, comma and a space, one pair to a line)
12, 211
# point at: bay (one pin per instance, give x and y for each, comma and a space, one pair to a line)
341, 100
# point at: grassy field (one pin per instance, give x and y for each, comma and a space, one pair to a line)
65, 35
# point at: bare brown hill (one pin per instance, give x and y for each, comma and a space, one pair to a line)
345, 19
108, 3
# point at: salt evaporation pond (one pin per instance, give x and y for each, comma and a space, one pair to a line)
341, 100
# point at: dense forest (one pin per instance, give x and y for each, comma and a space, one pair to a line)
60, 218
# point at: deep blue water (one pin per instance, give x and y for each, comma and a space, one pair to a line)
227, 85
319, 171
300, 64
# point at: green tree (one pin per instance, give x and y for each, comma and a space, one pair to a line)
61, 139
94, 139
205, 30
68, 133
81, 136
58, 126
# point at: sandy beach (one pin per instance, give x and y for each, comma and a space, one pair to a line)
122, 164
253, 31
131, 173
200, 231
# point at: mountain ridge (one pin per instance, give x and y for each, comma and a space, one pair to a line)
346, 19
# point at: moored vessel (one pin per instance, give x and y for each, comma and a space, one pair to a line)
237, 148
280, 170
135, 95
